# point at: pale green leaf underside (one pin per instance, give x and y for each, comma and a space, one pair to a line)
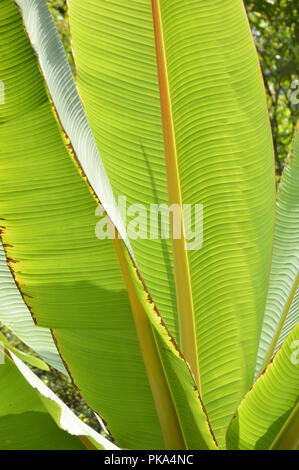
25, 424
15, 314
55, 68
281, 315
225, 160
268, 405
290, 322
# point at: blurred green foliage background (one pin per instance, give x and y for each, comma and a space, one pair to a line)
275, 29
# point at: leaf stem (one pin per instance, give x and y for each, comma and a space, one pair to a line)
165, 407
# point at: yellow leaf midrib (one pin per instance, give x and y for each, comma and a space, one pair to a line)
188, 343
166, 411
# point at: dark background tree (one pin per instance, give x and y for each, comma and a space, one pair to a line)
275, 27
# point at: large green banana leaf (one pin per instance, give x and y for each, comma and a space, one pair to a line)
71, 281
179, 82
15, 314
32, 417
151, 98
268, 416
282, 308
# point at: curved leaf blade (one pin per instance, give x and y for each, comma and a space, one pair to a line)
29, 411
282, 301
268, 415
290, 322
